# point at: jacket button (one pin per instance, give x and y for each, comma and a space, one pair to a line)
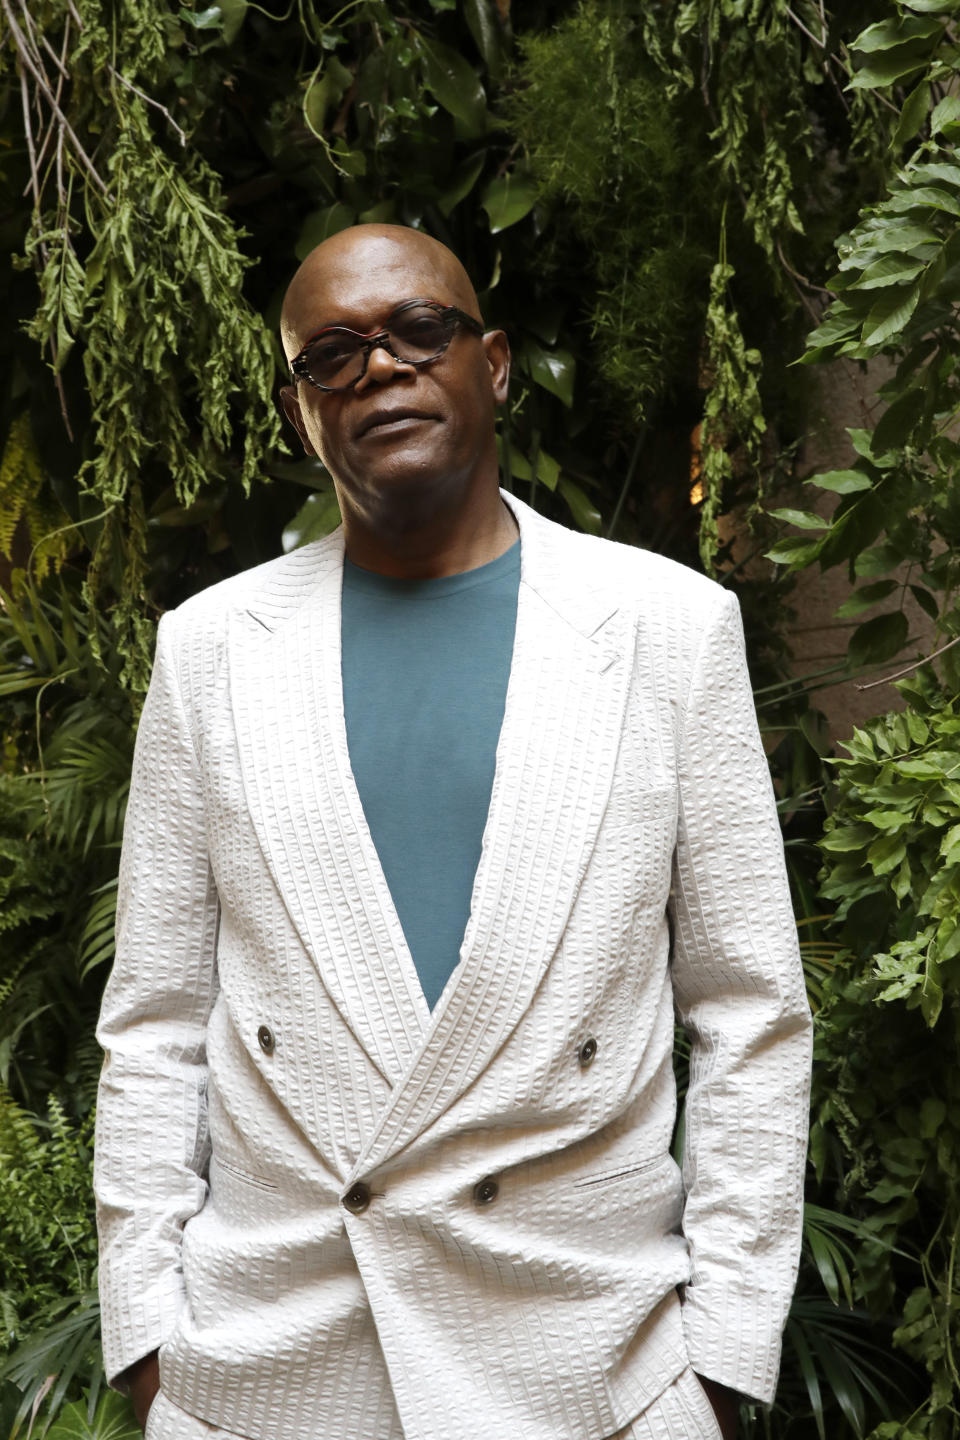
587, 1052
485, 1191
357, 1198
267, 1040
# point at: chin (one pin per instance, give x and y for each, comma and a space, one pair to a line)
406, 490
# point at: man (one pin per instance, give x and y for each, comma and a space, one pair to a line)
433, 824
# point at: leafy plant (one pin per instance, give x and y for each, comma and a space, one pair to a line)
898, 291
888, 1101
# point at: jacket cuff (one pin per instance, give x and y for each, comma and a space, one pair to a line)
733, 1336
145, 1319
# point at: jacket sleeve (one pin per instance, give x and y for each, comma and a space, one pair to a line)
151, 1143
740, 994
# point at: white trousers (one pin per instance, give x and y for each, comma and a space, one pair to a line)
682, 1412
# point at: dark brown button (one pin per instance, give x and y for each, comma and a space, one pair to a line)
266, 1038
486, 1191
587, 1052
357, 1198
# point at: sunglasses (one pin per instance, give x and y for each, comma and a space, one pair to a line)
416, 332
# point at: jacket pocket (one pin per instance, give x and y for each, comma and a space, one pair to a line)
622, 1172
244, 1176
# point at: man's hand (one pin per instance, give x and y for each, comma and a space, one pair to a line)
143, 1377
726, 1406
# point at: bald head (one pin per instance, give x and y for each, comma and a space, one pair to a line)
366, 267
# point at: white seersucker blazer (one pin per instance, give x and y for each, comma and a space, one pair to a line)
269, 1050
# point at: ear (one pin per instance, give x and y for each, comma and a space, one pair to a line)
291, 408
497, 346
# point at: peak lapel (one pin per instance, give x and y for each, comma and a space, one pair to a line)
555, 762
287, 703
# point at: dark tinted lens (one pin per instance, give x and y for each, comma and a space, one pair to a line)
418, 334
335, 358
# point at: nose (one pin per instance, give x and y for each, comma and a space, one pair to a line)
382, 367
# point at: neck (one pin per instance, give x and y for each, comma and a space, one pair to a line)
430, 546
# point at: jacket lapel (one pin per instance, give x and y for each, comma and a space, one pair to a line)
287, 704
555, 762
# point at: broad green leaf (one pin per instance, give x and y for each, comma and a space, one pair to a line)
548, 470
897, 422
923, 197
889, 315
831, 330
951, 840
847, 837
890, 821
348, 161
520, 468
508, 198
888, 34
878, 639
933, 1112
234, 14
925, 600
326, 91
931, 997
938, 7
878, 561
804, 519
918, 728
890, 269
842, 482
581, 507
795, 551
907, 238
886, 854
903, 880
913, 114
209, 19
936, 171
454, 83
113, 1419
864, 598
945, 114
320, 224
948, 935
887, 67
487, 31
928, 767
317, 516
464, 181
555, 370
383, 213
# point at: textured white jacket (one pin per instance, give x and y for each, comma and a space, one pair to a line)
269, 1051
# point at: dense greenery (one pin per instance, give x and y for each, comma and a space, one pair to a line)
649, 198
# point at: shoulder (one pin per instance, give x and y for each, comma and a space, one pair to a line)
193, 637
654, 586
269, 592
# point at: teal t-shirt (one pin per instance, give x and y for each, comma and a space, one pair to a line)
425, 671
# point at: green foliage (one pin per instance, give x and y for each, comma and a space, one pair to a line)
888, 1103
638, 192
898, 293
617, 167
732, 409
68, 745
46, 1217
111, 1419
172, 352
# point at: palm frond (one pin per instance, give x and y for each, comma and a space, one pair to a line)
64, 1350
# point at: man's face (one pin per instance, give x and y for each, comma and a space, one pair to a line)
401, 430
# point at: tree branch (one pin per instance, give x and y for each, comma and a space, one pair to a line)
908, 669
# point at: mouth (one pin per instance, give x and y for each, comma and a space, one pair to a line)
392, 421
